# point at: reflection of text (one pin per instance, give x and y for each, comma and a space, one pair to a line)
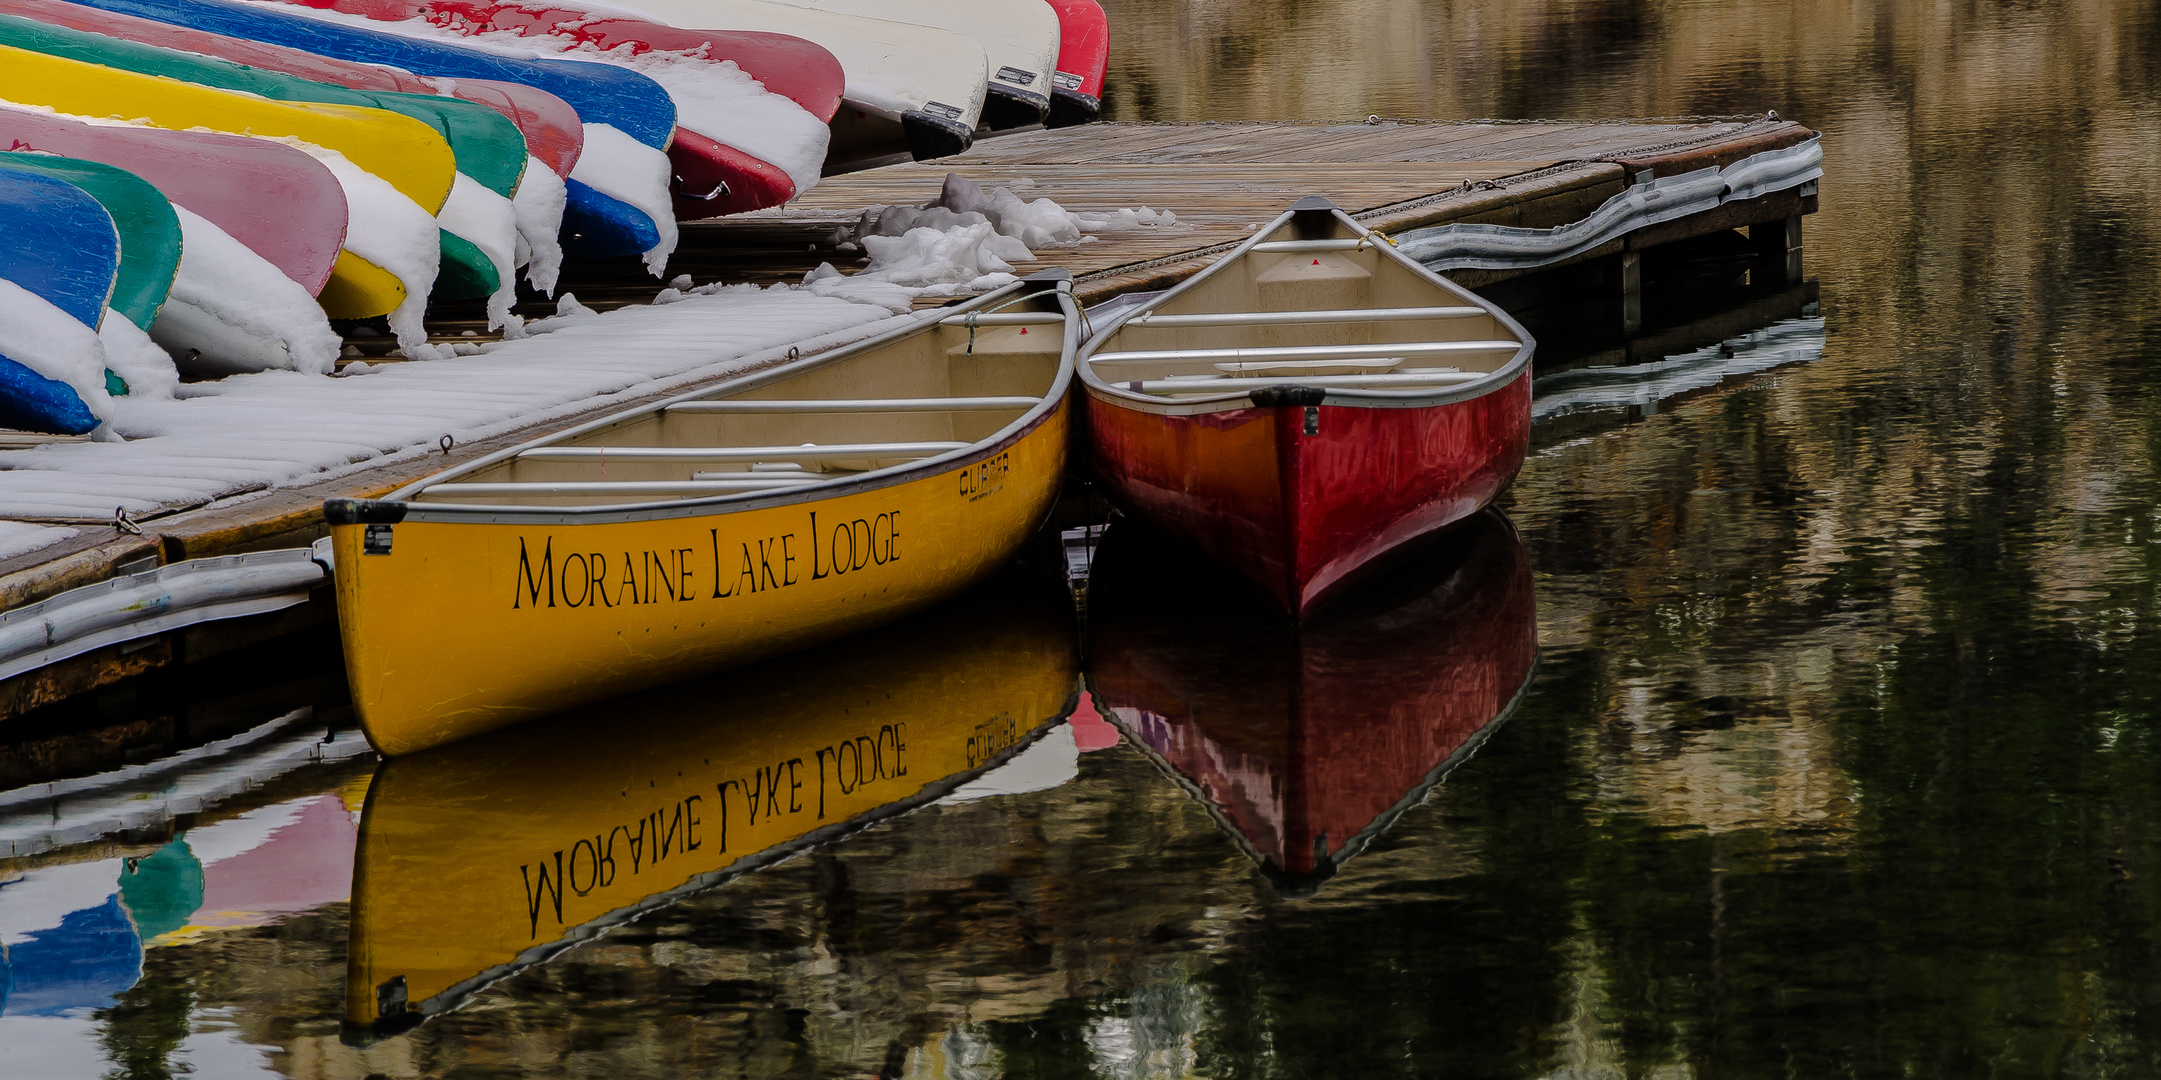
783, 788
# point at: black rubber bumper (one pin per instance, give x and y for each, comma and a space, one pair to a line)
1070, 107
933, 136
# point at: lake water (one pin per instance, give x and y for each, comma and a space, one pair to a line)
1798, 719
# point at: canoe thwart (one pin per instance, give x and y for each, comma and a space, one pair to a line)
1300, 247
1006, 318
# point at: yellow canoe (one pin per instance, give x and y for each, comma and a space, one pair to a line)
815, 499
478, 859
411, 156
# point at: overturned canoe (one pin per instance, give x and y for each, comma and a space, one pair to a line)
283, 204
912, 89
548, 123
457, 880
609, 198
1084, 40
1307, 404
1019, 39
1308, 742
809, 501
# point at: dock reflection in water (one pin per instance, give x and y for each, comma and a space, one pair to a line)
1308, 742
493, 854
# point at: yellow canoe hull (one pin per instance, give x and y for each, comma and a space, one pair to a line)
464, 627
408, 154
359, 289
480, 858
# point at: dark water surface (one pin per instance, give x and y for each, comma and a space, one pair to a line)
1839, 756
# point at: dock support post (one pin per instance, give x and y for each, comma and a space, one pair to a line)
1631, 292
1778, 246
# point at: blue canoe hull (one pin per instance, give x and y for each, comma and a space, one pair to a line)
58, 243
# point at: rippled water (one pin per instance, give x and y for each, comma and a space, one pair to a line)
1838, 757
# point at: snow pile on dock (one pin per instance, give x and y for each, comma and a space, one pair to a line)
1036, 223
967, 240
272, 428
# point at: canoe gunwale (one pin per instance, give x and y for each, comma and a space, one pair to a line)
1112, 394
398, 505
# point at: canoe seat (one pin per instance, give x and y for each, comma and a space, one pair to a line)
857, 405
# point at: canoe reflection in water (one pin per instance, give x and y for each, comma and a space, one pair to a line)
483, 857
1307, 743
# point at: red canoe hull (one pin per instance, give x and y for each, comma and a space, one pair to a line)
1084, 44
711, 177
551, 128
1302, 514
1306, 743
284, 205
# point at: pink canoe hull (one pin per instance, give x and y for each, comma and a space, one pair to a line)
551, 128
283, 204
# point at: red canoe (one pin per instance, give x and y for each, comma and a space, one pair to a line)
1308, 742
550, 126
1308, 404
283, 204
711, 178
1084, 49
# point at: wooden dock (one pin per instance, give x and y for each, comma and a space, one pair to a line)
1221, 180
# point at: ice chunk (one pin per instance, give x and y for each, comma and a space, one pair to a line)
975, 257
231, 310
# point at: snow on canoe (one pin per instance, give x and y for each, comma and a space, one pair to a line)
281, 203
485, 144
861, 730
616, 199
737, 147
59, 255
1084, 40
912, 89
808, 501
548, 123
1307, 743
1308, 404
1019, 39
